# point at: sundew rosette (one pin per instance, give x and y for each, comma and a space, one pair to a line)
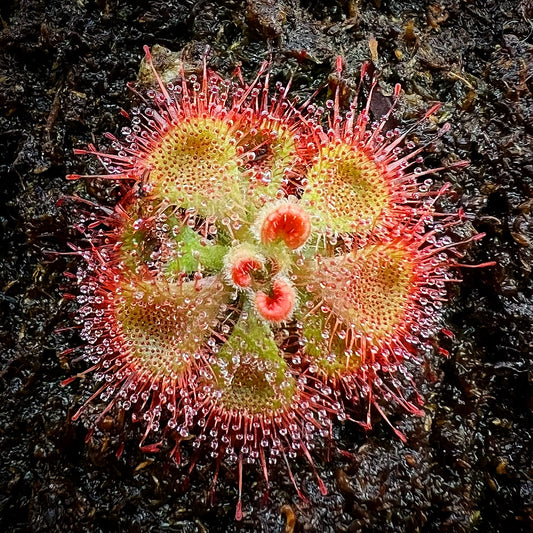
268, 268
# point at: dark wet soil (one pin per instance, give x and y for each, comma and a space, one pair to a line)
467, 465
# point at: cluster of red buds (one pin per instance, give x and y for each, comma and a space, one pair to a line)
269, 267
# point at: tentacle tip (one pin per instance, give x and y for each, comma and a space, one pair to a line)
339, 64
120, 450
400, 435
432, 110
68, 381
151, 448
460, 164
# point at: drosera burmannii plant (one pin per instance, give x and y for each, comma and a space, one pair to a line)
269, 267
